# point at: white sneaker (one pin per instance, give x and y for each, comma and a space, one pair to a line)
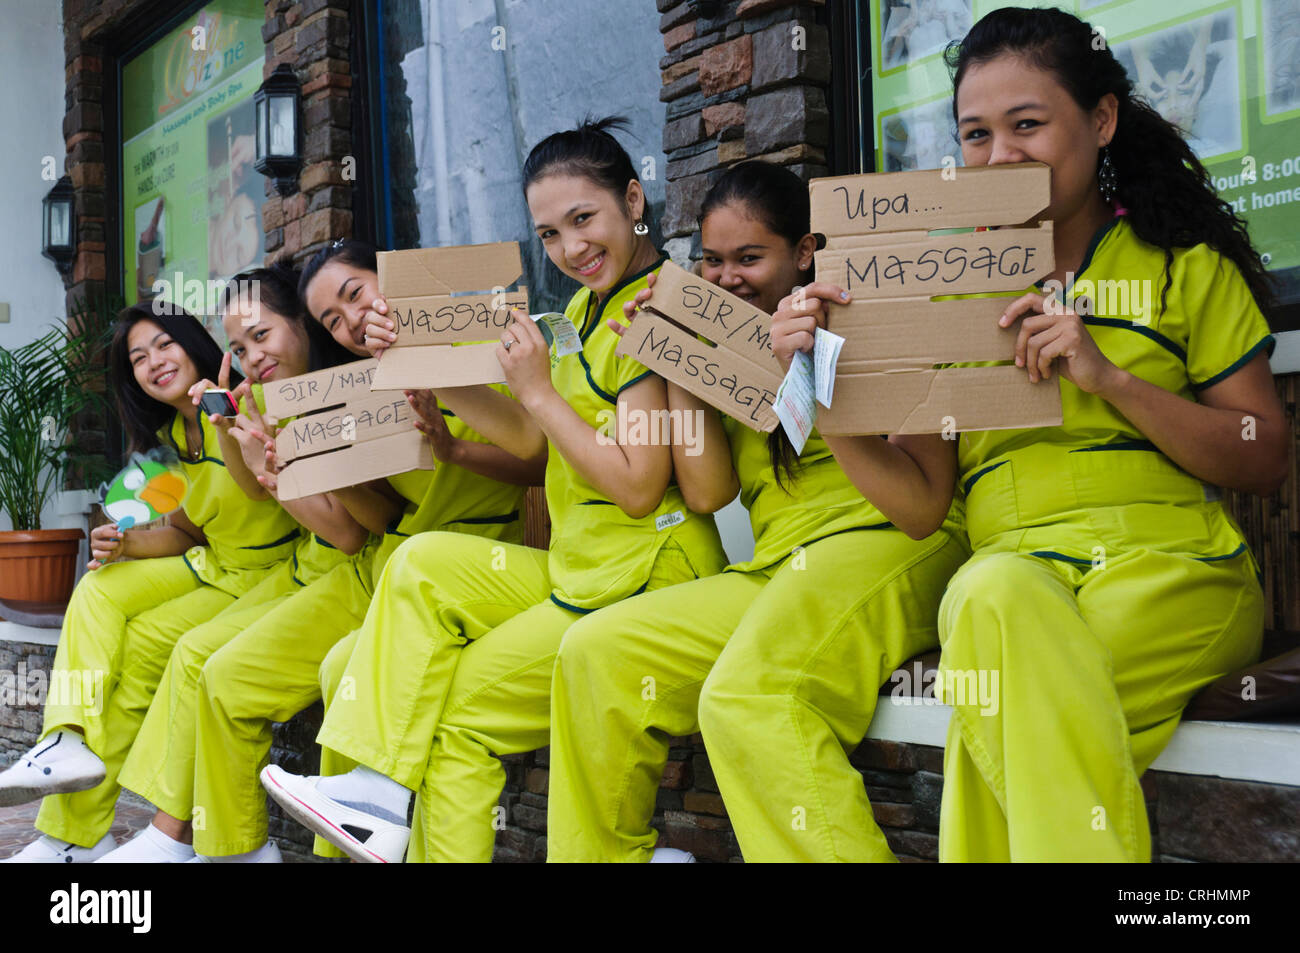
268, 853
149, 846
51, 850
355, 829
671, 855
58, 764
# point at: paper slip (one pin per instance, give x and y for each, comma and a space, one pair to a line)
796, 405
826, 352
564, 334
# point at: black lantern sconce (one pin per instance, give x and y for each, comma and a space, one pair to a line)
279, 154
705, 9
58, 225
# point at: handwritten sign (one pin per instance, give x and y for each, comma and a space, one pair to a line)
308, 392
1005, 260
856, 205
342, 433
891, 375
733, 370
443, 296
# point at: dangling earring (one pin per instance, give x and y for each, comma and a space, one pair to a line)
641, 228
1106, 179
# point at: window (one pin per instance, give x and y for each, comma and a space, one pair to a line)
190, 199
467, 87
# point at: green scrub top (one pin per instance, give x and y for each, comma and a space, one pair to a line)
1059, 491
598, 553
450, 498
313, 556
819, 500
242, 534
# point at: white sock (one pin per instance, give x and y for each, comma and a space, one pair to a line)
364, 787
65, 746
266, 854
150, 846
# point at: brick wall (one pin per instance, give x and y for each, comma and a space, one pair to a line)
21, 694
313, 37
85, 23
747, 83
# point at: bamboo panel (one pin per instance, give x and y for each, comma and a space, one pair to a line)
1272, 527
537, 519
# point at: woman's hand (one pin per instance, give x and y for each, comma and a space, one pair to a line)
630, 308
799, 315
1049, 331
107, 543
252, 447
430, 422
526, 358
270, 471
381, 332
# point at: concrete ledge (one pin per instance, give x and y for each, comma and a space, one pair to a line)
1241, 750
15, 632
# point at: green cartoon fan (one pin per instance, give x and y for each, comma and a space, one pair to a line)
146, 489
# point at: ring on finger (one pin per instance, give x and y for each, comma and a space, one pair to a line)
506, 343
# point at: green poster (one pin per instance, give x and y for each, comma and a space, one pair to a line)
1227, 73
191, 200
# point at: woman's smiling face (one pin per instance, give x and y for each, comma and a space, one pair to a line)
1010, 111
159, 364
742, 255
339, 296
269, 346
586, 229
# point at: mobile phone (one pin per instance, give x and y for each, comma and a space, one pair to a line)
215, 401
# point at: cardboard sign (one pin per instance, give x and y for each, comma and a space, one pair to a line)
856, 205
878, 248
342, 432
733, 370
443, 296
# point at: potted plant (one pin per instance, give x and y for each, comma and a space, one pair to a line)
44, 385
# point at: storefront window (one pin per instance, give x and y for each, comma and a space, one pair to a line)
470, 86
191, 199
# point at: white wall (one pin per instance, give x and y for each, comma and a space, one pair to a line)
31, 115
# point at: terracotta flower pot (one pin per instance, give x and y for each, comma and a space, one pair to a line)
39, 565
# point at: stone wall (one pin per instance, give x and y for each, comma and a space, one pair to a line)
22, 692
749, 82
313, 37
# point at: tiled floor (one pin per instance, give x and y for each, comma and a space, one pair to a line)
16, 830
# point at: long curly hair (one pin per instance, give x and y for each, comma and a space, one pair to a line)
1169, 197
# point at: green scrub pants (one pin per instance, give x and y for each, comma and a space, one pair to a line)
118, 632
208, 733
460, 676
779, 668
1094, 667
